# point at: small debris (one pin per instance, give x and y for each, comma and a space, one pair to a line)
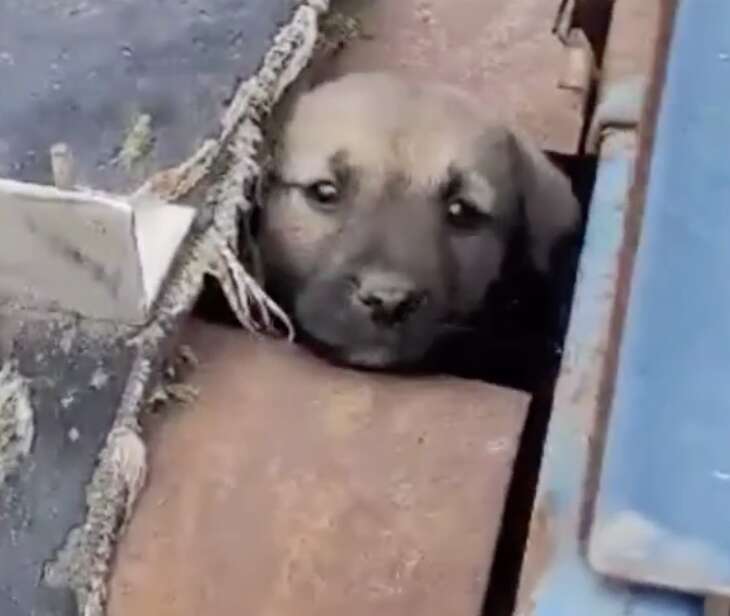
99, 379
338, 30
497, 446
424, 11
167, 393
187, 355
138, 143
74, 435
67, 339
68, 399
63, 167
181, 392
173, 389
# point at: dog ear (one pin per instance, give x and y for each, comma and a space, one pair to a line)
550, 209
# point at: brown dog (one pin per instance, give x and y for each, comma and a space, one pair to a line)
389, 209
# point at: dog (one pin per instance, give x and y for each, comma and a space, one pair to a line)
388, 209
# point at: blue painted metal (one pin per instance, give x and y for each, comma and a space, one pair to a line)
663, 511
557, 579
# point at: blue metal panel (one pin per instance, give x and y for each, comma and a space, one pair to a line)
663, 511
557, 580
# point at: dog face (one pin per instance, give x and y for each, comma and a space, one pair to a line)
388, 211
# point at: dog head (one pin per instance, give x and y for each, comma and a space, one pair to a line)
388, 211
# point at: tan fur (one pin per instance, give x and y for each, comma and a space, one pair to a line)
392, 127
423, 134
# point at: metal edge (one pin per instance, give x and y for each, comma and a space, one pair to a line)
556, 578
624, 543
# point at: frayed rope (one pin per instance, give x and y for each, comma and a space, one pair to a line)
255, 310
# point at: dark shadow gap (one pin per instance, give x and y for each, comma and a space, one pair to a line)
509, 553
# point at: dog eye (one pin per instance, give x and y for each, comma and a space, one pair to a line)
463, 215
323, 192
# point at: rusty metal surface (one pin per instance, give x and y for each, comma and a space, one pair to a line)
295, 488
634, 41
504, 52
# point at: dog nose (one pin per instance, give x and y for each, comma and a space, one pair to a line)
390, 299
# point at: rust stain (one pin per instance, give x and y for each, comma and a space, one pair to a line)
349, 410
485, 46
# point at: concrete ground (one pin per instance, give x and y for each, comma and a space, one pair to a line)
131, 87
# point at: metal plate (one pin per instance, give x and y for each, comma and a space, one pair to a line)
295, 488
662, 509
556, 578
503, 52
86, 253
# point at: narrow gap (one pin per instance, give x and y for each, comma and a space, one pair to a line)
594, 18
509, 553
